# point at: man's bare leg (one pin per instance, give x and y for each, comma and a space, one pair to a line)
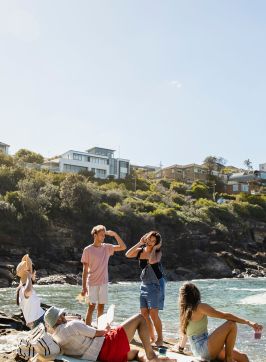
100, 310
138, 323
90, 310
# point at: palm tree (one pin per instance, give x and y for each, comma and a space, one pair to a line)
248, 164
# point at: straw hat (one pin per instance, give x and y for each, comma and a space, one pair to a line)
23, 267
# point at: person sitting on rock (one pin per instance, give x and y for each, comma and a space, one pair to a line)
193, 322
82, 341
27, 298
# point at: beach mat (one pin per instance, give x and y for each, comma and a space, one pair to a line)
178, 356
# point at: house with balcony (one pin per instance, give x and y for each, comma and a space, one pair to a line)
100, 161
184, 173
4, 148
246, 181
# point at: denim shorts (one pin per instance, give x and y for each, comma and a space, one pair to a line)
152, 295
38, 321
199, 345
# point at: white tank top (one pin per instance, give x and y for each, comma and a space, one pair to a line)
31, 307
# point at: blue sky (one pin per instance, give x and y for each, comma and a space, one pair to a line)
159, 81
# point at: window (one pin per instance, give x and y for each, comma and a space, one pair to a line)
235, 187
123, 164
100, 173
244, 188
123, 174
77, 156
100, 161
73, 168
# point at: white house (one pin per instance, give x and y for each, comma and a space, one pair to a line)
262, 166
99, 160
4, 148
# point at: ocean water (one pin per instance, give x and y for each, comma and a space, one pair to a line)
244, 297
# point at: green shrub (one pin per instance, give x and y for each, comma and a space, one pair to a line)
179, 187
199, 190
253, 199
165, 183
154, 197
112, 197
177, 198
204, 202
241, 208
226, 196
257, 212
9, 177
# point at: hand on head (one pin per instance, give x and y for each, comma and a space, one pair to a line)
110, 233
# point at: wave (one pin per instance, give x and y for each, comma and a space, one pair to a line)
258, 299
248, 289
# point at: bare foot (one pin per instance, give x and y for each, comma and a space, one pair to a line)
141, 357
159, 342
162, 359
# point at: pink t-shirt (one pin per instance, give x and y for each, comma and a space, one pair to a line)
97, 258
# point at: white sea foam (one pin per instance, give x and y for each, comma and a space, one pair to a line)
258, 299
248, 289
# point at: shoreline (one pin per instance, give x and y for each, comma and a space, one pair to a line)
70, 279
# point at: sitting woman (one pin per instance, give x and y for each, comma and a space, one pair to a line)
27, 298
193, 322
152, 289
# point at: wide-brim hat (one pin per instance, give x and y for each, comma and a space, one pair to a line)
52, 314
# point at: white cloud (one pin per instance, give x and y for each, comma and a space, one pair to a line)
176, 84
17, 21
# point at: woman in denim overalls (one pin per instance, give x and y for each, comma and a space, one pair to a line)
152, 288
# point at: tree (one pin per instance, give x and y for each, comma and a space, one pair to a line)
213, 163
28, 156
6, 160
248, 164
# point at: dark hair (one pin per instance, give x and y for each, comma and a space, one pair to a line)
189, 298
157, 236
21, 285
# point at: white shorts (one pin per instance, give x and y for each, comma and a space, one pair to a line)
97, 294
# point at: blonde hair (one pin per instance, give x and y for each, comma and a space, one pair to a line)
97, 228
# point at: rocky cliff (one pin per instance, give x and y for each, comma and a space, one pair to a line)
188, 253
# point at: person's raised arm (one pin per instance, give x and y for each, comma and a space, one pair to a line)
84, 278
212, 312
28, 287
121, 245
155, 255
133, 252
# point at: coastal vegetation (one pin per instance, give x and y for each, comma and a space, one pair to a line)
30, 200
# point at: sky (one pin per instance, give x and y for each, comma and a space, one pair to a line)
161, 82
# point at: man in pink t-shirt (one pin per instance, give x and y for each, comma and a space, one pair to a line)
95, 259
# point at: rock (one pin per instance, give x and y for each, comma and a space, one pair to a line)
4, 283
11, 322
5, 273
236, 273
60, 279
